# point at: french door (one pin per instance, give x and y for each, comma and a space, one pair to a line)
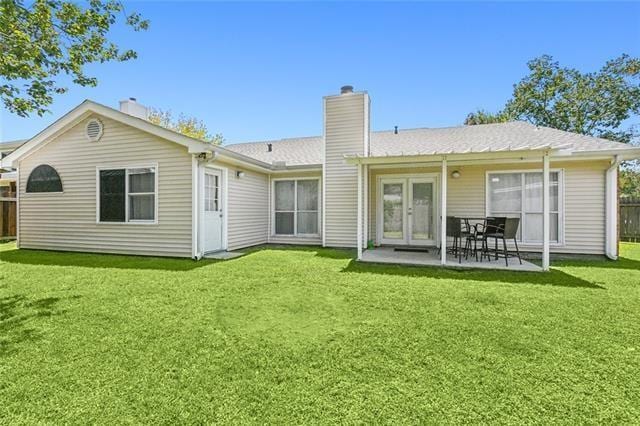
407, 211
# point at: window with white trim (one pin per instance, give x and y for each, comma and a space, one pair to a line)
296, 207
519, 194
128, 194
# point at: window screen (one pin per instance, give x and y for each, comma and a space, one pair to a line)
297, 207
112, 195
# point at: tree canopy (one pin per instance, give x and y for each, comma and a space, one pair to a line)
591, 103
43, 40
188, 126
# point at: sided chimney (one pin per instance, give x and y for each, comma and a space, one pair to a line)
346, 132
132, 107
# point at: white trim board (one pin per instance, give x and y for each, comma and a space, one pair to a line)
272, 210
127, 167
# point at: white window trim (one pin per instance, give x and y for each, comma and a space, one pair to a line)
295, 207
561, 204
126, 168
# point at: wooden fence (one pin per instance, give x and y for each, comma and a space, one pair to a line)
8, 213
7, 218
630, 219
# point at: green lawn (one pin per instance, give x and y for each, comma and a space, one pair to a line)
310, 336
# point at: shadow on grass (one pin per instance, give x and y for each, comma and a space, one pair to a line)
17, 315
621, 263
326, 253
94, 260
553, 278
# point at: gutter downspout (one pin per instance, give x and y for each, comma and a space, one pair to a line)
611, 202
195, 208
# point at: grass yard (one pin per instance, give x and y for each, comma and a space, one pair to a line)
309, 336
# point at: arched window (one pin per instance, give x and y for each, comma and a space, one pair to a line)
44, 178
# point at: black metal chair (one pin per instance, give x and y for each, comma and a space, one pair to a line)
491, 224
472, 238
503, 229
455, 230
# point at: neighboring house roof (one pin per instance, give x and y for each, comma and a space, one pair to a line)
8, 146
511, 136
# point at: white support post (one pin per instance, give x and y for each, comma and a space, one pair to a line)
359, 225
443, 213
365, 233
545, 212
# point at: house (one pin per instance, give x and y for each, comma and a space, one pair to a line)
106, 180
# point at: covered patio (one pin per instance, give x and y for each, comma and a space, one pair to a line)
438, 169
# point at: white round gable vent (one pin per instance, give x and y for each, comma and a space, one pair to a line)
94, 130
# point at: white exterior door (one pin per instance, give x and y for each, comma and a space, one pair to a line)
212, 215
407, 211
422, 211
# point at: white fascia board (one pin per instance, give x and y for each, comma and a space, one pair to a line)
488, 155
623, 154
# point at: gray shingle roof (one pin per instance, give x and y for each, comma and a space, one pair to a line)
294, 151
514, 135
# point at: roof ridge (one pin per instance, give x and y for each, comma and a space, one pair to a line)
273, 140
461, 126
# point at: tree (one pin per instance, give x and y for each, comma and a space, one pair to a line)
482, 116
188, 126
592, 103
629, 182
42, 40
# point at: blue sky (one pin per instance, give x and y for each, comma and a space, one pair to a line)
255, 71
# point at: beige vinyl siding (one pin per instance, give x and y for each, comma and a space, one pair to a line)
248, 209
584, 199
67, 221
344, 134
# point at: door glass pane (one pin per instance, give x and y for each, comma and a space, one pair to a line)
506, 192
392, 210
284, 195
284, 223
210, 193
307, 195
422, 211
307, 223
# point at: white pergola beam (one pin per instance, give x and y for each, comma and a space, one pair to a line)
443, 213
